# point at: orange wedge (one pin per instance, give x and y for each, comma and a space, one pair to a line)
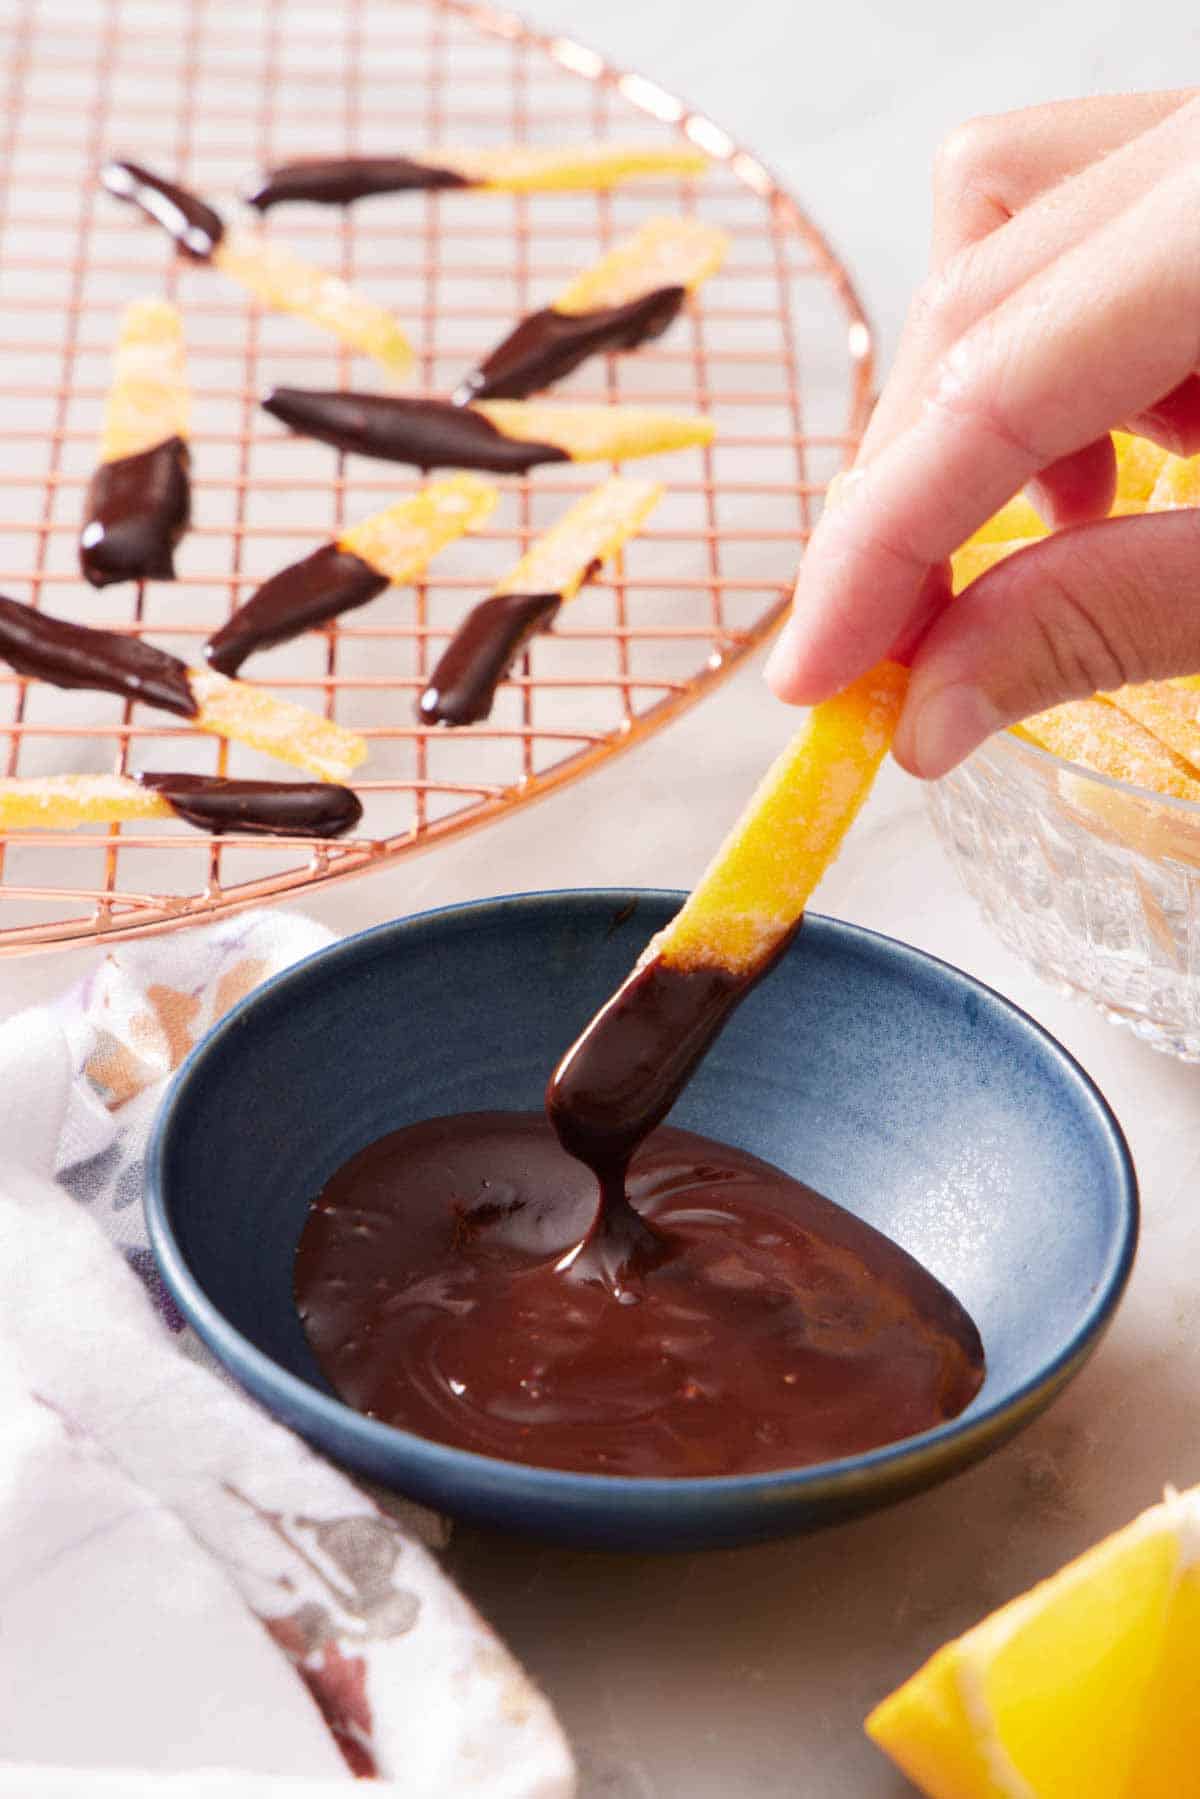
1086, 1687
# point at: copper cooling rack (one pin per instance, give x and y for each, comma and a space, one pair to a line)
775, 348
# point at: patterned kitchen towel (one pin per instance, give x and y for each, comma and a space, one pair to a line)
410, 1681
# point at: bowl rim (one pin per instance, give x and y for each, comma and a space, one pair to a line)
298, 1399
1009, 741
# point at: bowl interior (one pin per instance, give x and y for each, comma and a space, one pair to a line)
898, 1087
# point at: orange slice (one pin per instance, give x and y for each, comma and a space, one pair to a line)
1086, 1687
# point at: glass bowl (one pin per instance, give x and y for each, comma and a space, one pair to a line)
1094, 882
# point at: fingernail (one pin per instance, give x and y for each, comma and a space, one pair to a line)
776, 667
842, 487
949, 725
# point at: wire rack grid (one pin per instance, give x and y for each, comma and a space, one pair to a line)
775, 348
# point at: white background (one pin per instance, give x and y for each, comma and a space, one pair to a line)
749, 1672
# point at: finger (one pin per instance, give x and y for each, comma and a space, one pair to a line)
991, 168
973, 284
1082, 612
1078, 487
936, 593
1090, 341
1174, 421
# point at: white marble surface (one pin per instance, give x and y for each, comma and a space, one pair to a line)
750, 1671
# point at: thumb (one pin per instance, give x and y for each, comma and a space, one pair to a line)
1085, 610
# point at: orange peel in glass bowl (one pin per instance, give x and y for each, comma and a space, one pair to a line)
1147, 736
1100, 736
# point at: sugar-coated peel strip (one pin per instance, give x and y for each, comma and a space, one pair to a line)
66, 654
518, 168
138, 502
753, 894
591, 531
628, 298
1169, 711
504, 436
532, 168
1099, 736
1139, 464
1018, 519
63, 802
400, 540
462, 686
395, 544
1177, 484
624, 1072
977, 556
277, 278
149, 399
284, 282
257, 808
249, 715
597, 433
663, 252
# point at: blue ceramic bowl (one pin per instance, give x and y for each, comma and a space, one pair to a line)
898, 1086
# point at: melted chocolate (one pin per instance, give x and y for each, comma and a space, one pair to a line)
462, 688
619, 1080
68, 655
777, 1330
336, 181
195, 226
427, 433
137, 509
547, 345
310, 592
263, 808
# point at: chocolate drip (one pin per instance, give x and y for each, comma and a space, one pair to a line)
547, 345
266, 808
618, 1081
137, 509
195, 226
69, 655
336, 181
462, 688
310, 592
777, 1331
426, 433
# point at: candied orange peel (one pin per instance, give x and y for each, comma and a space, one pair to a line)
534, 168
1139, 464
754, 892
977, 556
284, 282
597, 433
63, 802
591, 531
400, 540
1170, 712
1148, 735
1102, 737
279, 728
1176, 484
148, 401
1018, 519
664, 252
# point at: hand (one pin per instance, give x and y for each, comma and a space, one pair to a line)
1063, 302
